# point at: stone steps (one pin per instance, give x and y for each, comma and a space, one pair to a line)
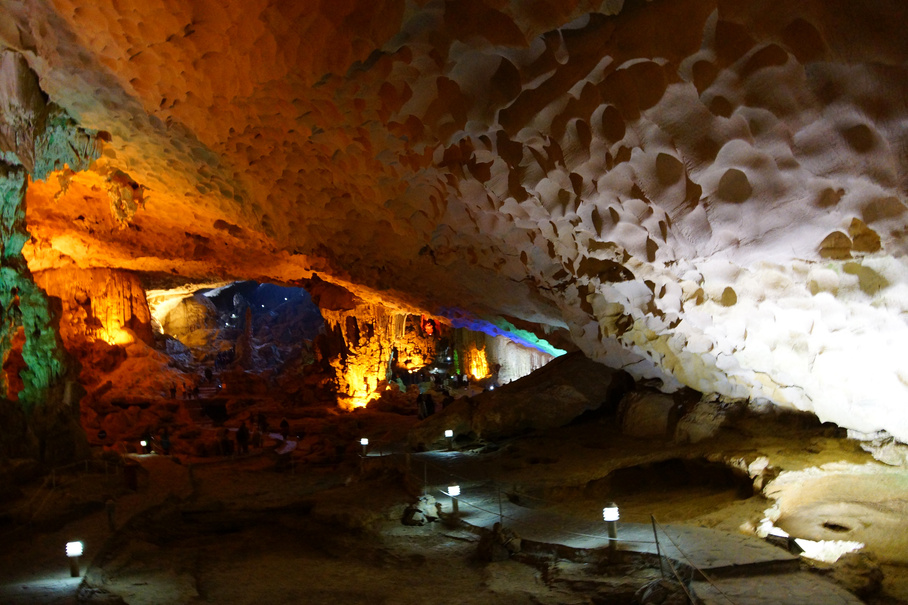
797, 588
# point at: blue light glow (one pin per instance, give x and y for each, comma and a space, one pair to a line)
500, 327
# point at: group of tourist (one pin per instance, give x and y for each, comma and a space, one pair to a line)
191, 392
224, 358
240, 442
426, 404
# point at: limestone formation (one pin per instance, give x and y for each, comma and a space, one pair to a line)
553, 396
706, 194
99, 304
36, 371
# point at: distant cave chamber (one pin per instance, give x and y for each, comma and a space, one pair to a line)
138, 350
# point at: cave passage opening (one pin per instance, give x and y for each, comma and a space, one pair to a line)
198, 357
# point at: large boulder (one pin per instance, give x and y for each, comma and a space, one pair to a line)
193, 321
648, 414
552, 396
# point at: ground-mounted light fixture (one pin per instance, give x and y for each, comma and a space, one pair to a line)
454, 491
449, 435
610, 516
73, 552
365, 443
144, 445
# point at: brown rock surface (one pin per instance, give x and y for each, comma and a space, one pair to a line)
550, 397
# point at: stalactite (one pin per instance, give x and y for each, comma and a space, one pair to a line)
496, 358
99, 304
370, 336
475, 363
12, 237
24, 304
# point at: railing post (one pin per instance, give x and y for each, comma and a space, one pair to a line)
500, 513
658, 550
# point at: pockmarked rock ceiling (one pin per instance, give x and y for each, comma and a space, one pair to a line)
707, 192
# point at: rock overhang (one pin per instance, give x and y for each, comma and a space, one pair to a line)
707, 193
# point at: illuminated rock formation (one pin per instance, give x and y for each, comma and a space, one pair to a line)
99, 304
190, 319
481, 355
706, 193
363, 343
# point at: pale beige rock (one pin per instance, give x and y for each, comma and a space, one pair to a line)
648, 414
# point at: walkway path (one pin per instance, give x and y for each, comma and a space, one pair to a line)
33, 566
727, 568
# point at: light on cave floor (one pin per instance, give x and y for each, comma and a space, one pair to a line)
826, 551
73, 552
74, 549
610, 516
454, 491
610, 512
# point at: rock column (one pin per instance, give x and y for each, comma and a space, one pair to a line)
41, 411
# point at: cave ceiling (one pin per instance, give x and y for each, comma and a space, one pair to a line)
711, 193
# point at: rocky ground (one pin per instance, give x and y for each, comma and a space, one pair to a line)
254, 529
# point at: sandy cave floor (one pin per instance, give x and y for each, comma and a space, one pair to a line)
238, 531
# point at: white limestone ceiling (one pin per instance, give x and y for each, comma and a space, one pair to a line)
709, 192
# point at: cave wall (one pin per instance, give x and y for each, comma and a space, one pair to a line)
99, 304
360, 343
40, 401
708, 193
495, 357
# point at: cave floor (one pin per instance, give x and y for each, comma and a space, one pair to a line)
252, 529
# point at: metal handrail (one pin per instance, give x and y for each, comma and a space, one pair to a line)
691, 563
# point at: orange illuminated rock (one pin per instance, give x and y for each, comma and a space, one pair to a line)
99, 304
367, 341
